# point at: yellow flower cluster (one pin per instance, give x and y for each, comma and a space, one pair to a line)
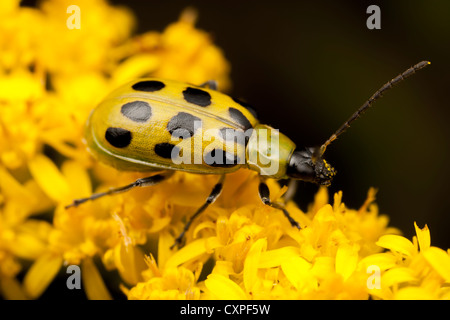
51, 76
258, 255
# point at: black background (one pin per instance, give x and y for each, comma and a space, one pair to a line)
306, 66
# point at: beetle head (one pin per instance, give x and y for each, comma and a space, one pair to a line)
307, 165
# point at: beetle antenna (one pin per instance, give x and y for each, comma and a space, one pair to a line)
378, 94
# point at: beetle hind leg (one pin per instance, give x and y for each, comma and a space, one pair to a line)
143, 182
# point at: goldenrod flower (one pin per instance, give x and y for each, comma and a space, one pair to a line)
50, 79
175, 284
417, 270
181, 52
258, 255
21, 237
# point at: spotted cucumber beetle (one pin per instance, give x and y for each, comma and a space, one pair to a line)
133, 129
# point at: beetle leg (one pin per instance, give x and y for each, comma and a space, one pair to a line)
291, 191
264, 194
215, 193
211, 84
143, 182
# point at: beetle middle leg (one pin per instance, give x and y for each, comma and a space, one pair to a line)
264, 194
211, 84
143, 182
292, 186
215, 193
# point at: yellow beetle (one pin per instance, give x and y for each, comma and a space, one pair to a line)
161, 126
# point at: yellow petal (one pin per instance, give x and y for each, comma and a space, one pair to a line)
274, 258
346, 260
92, 281
383, 261
320, 199
78, 177
40, 201
298, 272
164, 243
41, 274
323, 267
10, 187
224, 268
211, 244
203, 225
223, 288
9, 6
396, 276
39, 228
397, 243
325, 214
371, 197
20, 86
27, 246
134, 67
159, 224
423, 236
413, 293
11, 289
439, 260
49, 178
188, 252
251, 263
130, 262
279, 194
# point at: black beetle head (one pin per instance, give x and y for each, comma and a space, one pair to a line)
306, 165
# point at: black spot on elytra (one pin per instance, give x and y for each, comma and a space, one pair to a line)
138, 111
237, 136
220, 158
164, 150
118, 137
182, 124
148, 86
237, 116
196, 96
246, 106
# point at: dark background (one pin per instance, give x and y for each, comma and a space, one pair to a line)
307, 66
